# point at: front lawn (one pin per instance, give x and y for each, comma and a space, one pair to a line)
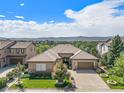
119, 81
37, 83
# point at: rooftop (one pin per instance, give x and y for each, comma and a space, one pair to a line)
53, 53
5, 43
21, 45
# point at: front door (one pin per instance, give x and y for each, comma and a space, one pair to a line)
67, 62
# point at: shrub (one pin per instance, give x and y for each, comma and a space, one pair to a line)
26, 76
112, 82
68, 75
11, 74
19, 85
98, 70
2, 82
40, 76
104, 75
119, 80
65, 84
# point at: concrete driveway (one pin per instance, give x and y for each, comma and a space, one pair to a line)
88, 80
5, 70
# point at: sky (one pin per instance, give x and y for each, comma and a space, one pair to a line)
61, 18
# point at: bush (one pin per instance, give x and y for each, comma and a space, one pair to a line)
112, 82
20, 85
98, 70
65, 84
2, 82
11, 74
40, 76
104, 75
26, 76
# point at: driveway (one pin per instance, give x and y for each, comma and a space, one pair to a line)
5, 70
88, 80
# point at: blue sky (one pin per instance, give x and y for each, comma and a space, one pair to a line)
41, 10
61, 18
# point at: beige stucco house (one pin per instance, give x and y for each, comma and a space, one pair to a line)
12, 52
70, 55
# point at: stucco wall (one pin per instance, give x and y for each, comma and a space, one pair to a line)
32, 66
30, 51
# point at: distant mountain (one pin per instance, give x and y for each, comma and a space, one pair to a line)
80, 38
2, 38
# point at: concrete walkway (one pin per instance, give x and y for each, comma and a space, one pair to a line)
89, 80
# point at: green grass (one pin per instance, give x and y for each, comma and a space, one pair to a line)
116, 78
37, 83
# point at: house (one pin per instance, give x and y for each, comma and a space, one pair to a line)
73, 57
103, 47
4, 45
12, 52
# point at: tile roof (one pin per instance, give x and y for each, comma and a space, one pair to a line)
83, 55
65, 48
52, 54
47, 56
4, 43
21, 45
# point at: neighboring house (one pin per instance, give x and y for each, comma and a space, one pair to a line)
103, 47
70, 55
4, 45
12, 52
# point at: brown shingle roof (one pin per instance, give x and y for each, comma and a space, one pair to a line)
65, 48
83, 55
21, 45
47, 56
5, 43
52, 54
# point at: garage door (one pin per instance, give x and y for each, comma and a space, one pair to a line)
15, 61
85, 65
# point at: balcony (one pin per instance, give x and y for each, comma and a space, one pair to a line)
16, 52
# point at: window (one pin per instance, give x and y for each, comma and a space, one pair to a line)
17, 51
22, 51
40, 67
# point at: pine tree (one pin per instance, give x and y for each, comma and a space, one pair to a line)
115, 49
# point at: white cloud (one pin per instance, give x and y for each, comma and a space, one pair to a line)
94, 20
2, 16
22, 4
20, 17
52, 21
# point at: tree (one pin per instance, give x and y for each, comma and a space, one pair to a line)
20, 69
116, 48
59, 72
104, 59
119, 66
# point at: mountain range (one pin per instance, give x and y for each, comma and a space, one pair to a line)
79, 38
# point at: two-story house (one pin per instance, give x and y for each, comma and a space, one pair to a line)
4, 45
12, 52
103, 47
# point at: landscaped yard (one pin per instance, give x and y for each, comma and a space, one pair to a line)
37, 83
119, 81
